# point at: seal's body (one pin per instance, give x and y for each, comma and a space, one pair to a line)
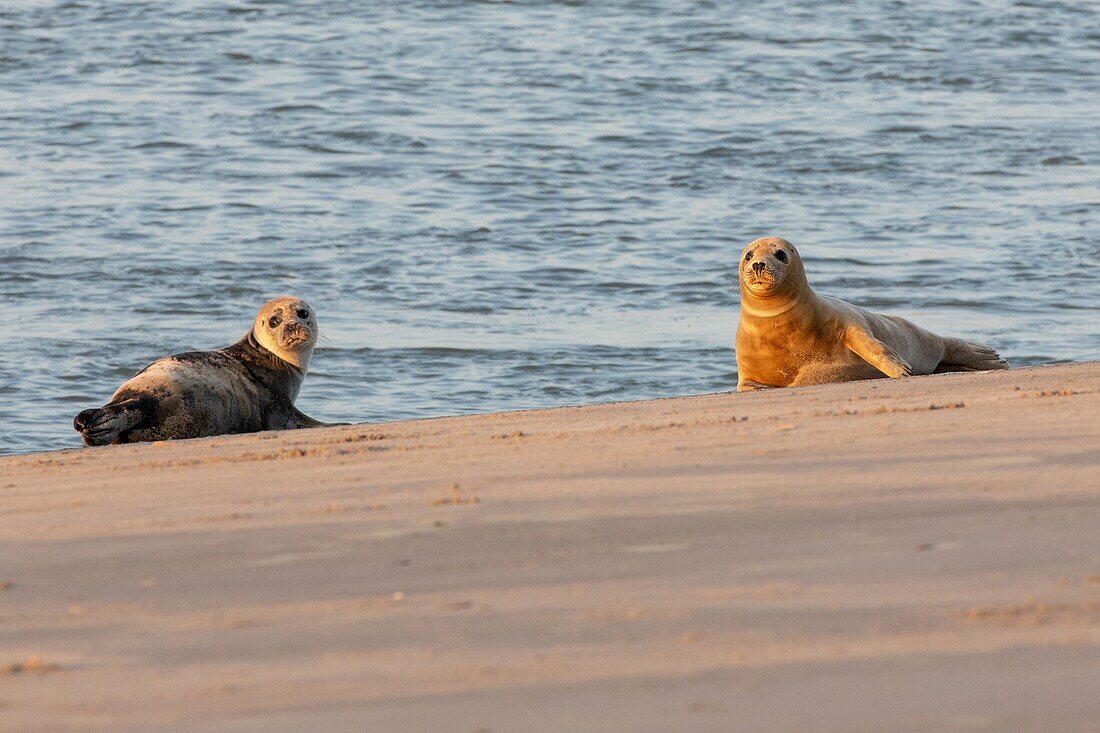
789, 335
243, 388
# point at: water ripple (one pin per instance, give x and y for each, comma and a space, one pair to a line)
503, 205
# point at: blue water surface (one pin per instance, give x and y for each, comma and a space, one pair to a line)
510, 205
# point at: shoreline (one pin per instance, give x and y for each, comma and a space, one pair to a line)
915, 554
76, 448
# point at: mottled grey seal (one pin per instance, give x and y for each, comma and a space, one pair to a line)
789, 335
242, 388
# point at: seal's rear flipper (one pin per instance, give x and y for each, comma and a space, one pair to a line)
104, 425
966, 356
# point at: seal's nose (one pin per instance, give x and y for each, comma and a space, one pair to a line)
297, 329
758, 267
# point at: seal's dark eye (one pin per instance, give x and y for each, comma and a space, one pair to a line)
748, 256
303, 313
781, 255
274, 321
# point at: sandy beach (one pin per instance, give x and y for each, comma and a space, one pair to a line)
911, 555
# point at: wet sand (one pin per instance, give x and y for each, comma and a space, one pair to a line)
913, 555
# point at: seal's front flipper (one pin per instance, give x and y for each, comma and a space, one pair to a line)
747, 385
105, 425
298, 420
876, 353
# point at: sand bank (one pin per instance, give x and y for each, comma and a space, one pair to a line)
921, 555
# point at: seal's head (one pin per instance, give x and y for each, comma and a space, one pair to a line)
287, 327
771, 268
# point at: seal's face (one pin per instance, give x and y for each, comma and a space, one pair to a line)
766, 264
287, 327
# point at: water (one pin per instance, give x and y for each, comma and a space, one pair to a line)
496, 206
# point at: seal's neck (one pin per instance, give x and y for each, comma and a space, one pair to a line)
777, 304
296, 361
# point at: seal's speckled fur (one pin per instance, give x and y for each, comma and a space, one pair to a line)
243, 388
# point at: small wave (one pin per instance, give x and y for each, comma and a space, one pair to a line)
621, 286
901, 129
322, 174
289, 108
161, 145
1063, 160
720, 151
182, 209
314, 148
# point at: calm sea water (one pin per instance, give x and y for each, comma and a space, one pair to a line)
496, 206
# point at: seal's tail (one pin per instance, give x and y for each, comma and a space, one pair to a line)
967, 356
104, 425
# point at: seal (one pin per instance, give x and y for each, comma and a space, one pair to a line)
788, 335
243, 388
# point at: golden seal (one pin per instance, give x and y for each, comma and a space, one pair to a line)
788, 335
